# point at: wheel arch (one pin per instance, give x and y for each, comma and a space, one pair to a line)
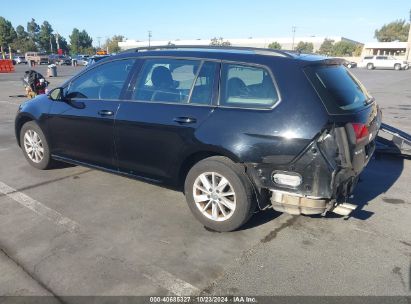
193, 158
20, 121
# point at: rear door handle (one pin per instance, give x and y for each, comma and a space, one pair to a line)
185, 120
105, 113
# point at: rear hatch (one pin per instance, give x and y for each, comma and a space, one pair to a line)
351, 108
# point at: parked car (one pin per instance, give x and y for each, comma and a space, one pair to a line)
82, 59
350, 64
37, 57
20, 60
60, 59
384, 62
93, 59
238, 129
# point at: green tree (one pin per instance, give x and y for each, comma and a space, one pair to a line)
80, 42
21, 32
75, 41
343, 48
326, 47
358, 50
33, 30
274, 45
219, 42
47, 40
7, 33
304, 47
23, 43
112, 44
86, 42
396, 30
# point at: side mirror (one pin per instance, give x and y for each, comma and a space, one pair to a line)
56, 94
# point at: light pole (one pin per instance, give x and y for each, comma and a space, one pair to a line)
57, 41
98, 38
408, 51
293, 30
149, 38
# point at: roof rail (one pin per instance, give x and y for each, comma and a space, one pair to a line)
285, 53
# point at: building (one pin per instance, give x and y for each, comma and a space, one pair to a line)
395, 48
286, 43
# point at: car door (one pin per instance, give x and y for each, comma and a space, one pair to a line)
382, 62
157, 125
82, 126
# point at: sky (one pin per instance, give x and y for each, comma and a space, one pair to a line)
191, 19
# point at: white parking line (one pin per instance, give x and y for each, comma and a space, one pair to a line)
153, 273
39, 208
9, 102
170, 282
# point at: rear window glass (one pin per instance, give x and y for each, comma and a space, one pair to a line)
339, 90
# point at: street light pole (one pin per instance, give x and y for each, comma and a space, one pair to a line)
408, 51
293, 30
149, 38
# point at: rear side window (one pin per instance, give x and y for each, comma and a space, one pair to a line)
166, 80
247, 87
339, 90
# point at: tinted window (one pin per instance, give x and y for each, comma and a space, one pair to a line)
368, 57
166, 80
102, 82
381, 57
204, 85
247, 86
338, 88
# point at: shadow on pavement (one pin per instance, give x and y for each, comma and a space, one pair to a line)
377, 178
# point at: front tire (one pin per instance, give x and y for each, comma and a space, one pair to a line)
35, 147
370, 66
219, 194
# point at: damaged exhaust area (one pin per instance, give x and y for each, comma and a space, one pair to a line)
319, 179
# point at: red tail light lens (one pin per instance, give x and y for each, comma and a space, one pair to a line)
360, 130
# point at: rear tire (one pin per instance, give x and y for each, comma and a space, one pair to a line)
35, 147
219, 194
370, 66
397, 66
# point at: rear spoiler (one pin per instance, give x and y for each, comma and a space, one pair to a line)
393, 141
325, 61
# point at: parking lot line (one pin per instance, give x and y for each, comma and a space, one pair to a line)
39, 208
170, 282
9, 102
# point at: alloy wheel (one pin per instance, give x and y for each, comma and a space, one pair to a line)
33, 146
214, 196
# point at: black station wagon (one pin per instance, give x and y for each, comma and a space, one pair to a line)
238, 129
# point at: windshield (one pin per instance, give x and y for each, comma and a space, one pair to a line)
339, 90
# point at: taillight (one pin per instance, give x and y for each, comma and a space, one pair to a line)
360, 130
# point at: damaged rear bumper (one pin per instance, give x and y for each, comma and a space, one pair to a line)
329, 168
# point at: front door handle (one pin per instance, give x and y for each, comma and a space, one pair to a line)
105, 113
185, 120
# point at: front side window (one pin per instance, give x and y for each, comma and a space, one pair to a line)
102, 82
167, 80
247, 86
